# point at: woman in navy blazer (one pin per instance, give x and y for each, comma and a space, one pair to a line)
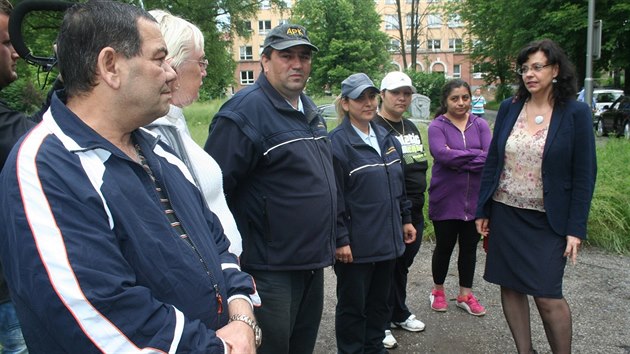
536, 192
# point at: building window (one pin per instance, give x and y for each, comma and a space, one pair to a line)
455, 20
247, 77
391, 22
265, 5
390, 2
433, 44
264, 26
477, 73
246, 52
408, 44
394, 45
457, 71
247, 25
455, 44
288, 3
434, 21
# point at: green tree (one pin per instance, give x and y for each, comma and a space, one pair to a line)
499, 31
615, 15
347, 33
219, 20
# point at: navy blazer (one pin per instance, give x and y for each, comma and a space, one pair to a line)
569, 165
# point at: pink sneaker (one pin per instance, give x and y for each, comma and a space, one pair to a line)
470, 304
438, 300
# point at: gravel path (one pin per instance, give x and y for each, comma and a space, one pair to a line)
597, 289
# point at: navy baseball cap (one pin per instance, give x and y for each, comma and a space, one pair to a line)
286, 36
354, 85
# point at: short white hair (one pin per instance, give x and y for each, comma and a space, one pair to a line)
181, 37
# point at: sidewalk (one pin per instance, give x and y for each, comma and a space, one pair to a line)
597, 289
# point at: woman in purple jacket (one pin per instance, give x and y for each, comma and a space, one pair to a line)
459, 143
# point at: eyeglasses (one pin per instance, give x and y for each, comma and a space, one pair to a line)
536, 67
203, 63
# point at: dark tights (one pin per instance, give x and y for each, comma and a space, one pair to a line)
556, 318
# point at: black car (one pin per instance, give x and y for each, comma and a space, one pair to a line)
616, 119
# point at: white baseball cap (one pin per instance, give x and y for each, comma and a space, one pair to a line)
396, 79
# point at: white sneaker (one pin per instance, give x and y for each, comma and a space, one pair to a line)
411, 324
389, 342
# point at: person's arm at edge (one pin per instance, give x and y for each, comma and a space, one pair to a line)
157, 321
343, 252
488, 172
584, 175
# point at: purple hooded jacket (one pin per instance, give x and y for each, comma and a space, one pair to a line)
458, 160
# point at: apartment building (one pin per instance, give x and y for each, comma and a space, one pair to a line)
439, 45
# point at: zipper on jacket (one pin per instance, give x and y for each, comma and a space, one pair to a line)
159, 188
467, 179
203, 262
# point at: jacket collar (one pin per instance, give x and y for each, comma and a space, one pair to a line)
281, 104
355, 139
78, 136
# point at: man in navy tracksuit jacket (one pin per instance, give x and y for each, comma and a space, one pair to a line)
276, 159
106, 243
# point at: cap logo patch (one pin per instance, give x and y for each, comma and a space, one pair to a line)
294, 32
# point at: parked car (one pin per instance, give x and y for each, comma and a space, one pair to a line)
327, 111
616, 119
604, 98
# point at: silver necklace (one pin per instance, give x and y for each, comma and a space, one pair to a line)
539, 119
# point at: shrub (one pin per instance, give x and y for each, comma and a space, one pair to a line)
609, 221
428, 84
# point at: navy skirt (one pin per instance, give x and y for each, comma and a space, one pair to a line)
524, 253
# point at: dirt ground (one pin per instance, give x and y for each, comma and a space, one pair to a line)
597, 289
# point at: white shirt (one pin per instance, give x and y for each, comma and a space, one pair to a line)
369, 138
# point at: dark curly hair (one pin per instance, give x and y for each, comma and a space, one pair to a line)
448, 87
565, 88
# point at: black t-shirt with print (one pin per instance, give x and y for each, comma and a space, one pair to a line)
415, 161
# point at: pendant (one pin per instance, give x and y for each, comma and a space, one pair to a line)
539, 119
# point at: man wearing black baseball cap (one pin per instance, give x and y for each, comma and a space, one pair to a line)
276, 158
286, 36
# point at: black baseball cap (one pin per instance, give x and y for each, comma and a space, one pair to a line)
286, 36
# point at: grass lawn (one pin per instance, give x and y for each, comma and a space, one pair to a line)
609, 220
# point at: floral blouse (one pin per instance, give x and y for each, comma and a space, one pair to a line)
520, 184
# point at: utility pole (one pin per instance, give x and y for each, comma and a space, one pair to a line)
588, 79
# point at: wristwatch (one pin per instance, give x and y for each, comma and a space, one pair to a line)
250, 322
